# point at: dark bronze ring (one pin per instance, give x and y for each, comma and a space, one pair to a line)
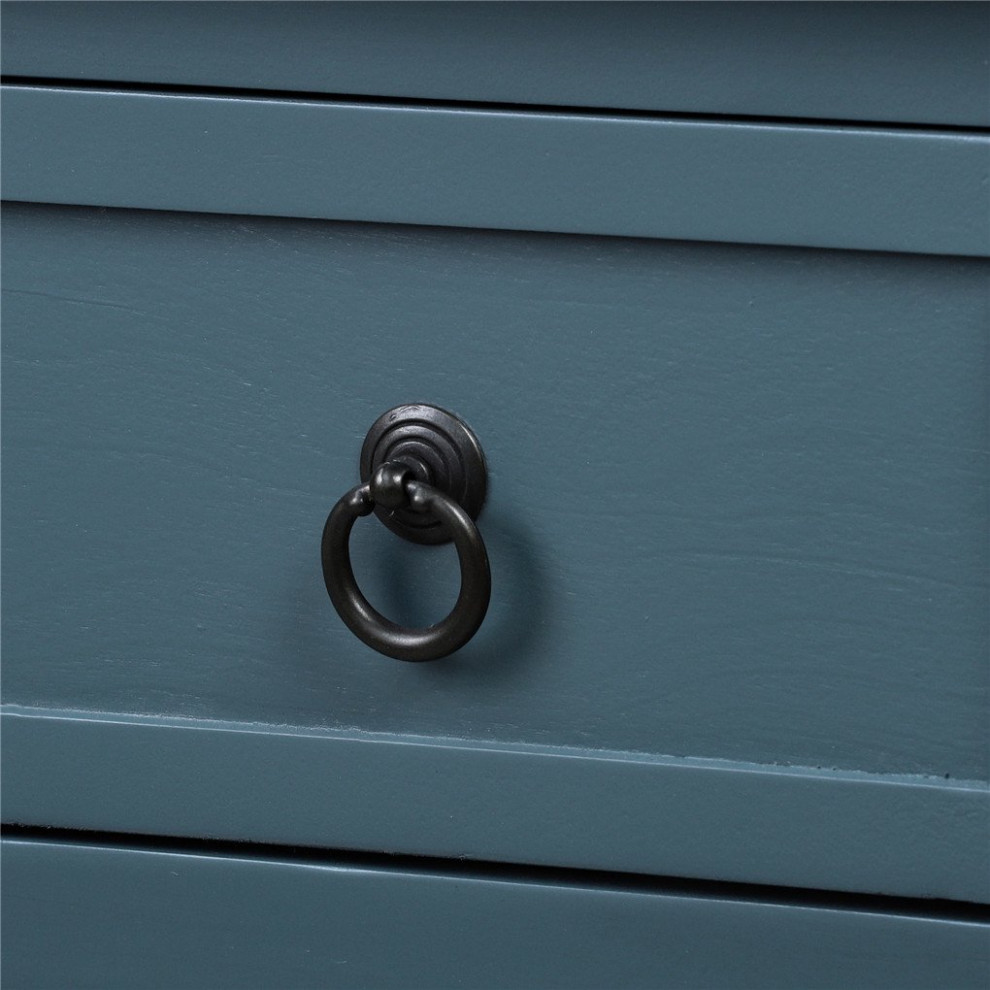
393, 487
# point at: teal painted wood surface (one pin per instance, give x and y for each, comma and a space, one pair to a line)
779, 555
95, 916
826, 186
463, 799
910, 62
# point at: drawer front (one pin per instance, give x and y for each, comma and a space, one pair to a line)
737, 513
99, 916
737, 496
917, 63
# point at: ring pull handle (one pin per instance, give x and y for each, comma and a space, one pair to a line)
424, 475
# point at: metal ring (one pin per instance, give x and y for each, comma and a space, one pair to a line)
394, 486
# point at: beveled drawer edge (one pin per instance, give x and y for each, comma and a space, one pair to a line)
830, 830
850, 187
111, 916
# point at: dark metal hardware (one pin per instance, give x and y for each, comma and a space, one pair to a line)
423, 473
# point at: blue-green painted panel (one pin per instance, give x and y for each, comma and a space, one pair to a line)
98, 917
464, 799
763, 183
913, 62
738, 501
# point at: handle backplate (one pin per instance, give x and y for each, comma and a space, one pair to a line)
441, 451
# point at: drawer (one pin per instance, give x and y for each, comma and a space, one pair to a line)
912, 63
93, 915
737, 526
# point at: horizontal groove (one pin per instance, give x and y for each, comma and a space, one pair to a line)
939, 779
495, 232
231, 92
482, 870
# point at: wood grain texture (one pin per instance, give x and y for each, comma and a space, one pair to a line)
917, 62
463, 799
833, 187
94, 916
737, 504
